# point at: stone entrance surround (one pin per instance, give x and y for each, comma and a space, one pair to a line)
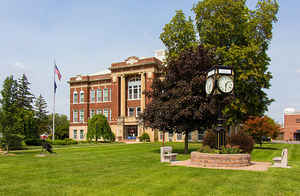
220, 160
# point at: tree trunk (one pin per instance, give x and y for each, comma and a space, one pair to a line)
186, 142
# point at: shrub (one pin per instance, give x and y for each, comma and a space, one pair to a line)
206, 149
241, 139
230, 150
209, 139
145, 137
15, 142
66, 141
33, 142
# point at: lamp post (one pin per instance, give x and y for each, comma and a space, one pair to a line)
219, 83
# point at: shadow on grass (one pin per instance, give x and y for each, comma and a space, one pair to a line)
177, 150
266, 148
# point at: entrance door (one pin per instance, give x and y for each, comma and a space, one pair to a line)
131, 132
297, 136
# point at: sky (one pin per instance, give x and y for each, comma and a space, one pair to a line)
87, 36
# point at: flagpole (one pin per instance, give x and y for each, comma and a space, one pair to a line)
53, 130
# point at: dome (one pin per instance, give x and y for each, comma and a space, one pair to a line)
289, 110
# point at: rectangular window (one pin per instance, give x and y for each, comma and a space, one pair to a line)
75, 116
81, 134
130, 92
179, 136
138, 111
170, 136
75, 97
110, 94
161, 135
190, 136
81, 97
105, 94
92, 96
92, 113
75, 134
105, 112
131, 111
200, 135
99, 111
109, 114
139, 92
135, 92
81, 116
99, 95
298, 120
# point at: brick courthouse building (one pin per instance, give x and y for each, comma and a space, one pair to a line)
117, 94
291, 125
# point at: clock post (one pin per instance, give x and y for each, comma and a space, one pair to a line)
219, 83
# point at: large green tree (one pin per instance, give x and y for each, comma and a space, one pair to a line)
178, 35
61, 125
41, 116
11, 136
241, 38
98, 128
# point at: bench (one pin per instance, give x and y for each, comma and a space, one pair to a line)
166, 154
283, 160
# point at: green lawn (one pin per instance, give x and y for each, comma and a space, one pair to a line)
135, 169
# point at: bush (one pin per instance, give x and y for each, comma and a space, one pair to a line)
66, 141
230, 150
242, 140
15, 142
33, 142
145, 137
209, 139
206, 149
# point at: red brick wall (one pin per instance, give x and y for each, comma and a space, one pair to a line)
291, 125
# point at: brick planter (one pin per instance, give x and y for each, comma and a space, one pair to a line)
220, 160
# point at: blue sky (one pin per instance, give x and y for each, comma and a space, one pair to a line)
87, 36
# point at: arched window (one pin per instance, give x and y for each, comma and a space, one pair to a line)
75, 97
134, 89
81, 97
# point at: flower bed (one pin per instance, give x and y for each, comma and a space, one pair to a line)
220, 160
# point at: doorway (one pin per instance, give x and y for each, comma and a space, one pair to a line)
131, 132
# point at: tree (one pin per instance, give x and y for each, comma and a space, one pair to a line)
241, 38
61, 125
180, 99
98, 127
25, 108
41, 115
260, 127
178, 35
11, 136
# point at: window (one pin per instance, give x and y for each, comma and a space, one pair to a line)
134, 89
81, 97
75, 97
138, 111
81, 116
200, 135
110, 94
298, 120
75, 134
99, 111
161, 135
105, 94
81, 134
92, 113
99, 95
179, 136
131, 111
105, 112
190, 136
75, 116
92, 96
109, 114
170, 136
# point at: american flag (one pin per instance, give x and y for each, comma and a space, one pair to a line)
57, 72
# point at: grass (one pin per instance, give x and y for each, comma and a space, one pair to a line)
135, 169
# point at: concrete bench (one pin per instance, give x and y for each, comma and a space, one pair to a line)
283, 160
166, 154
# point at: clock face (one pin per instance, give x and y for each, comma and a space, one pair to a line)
209, 85
225, 84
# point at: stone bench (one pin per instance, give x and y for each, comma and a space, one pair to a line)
166, 154
283, 160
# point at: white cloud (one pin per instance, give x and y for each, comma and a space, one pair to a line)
19, 65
